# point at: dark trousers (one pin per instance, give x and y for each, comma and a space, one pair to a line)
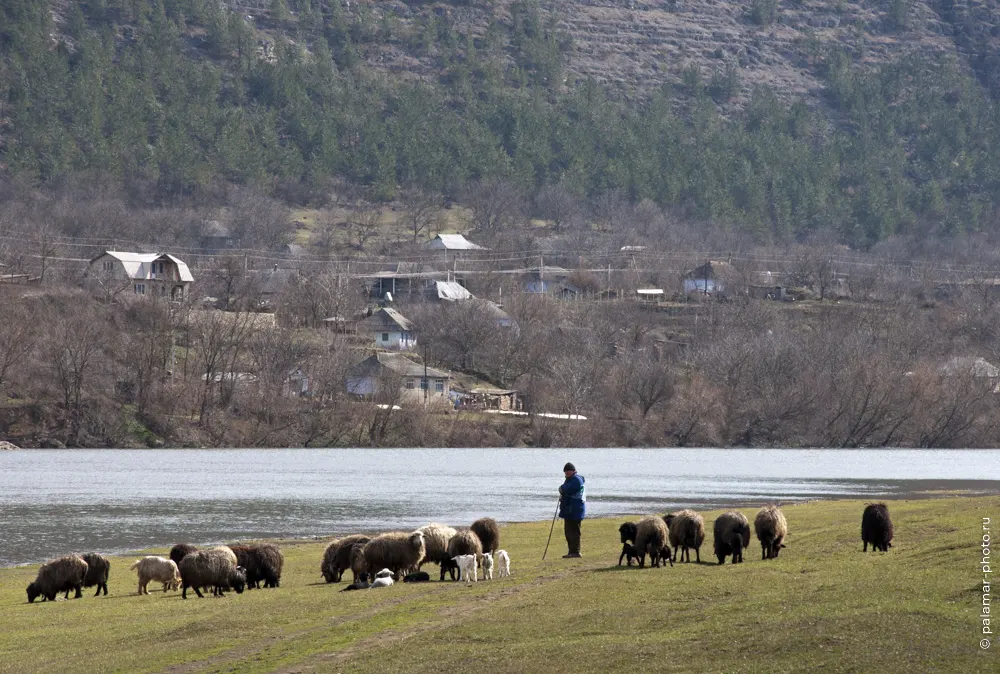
572, 528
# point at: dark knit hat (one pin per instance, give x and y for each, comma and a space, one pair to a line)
569, 466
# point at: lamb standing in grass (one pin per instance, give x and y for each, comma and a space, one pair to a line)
771, 528
464, 543
627, 534
160, 569
503, 564
467, 568
487, 566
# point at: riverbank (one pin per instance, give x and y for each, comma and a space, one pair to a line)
822, 605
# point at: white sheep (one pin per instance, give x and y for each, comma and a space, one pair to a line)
467, 568
487, 566
160, 569
503, 564
382, 579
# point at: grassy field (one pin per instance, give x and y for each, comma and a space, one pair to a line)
823, 606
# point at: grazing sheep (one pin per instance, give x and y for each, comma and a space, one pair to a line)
211, 568
488, 531
383, 579
627, 533
59, 575
503, 564
770, 528
360, 583
463, 543
467, 567
651, 536
227, 552
876, 527
337, 557
160, 569
98, 569
732, 536
436, 538
687, 530
487, 566
417, 577
399, 551
180, 551
262, 562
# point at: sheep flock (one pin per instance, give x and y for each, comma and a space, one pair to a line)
378, 561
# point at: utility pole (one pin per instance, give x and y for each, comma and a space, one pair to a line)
427, 384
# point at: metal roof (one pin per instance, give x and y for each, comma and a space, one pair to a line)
452, 242
138, 266
451, 291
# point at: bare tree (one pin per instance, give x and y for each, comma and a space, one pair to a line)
72, 349
220, 339
259, 221
559, 206
18, 334
420, 211
45, 240
365, 224
495, 204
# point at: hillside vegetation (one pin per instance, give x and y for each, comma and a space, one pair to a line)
823, 605
773, 119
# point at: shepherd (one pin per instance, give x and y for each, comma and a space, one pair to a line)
572, 508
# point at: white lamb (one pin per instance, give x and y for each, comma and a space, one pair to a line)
503, 564
382, 579
487, 566
160, 569
467, 568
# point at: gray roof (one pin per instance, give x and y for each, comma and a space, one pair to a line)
387, 319
374, 366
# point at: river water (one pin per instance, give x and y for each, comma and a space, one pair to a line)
54, 502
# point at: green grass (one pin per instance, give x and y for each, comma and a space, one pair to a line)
823, 606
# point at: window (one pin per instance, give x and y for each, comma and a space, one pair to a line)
109, 265
385, 336
410, 384
423, 384
140, 288
439, 386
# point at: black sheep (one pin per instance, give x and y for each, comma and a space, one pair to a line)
876, 527
627, 533
181, 550
417, 577
360, 584
449, 566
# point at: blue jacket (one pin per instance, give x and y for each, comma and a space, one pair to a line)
572, 501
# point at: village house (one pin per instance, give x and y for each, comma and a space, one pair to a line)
144, 274
711, 278
389, 330
416, 382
